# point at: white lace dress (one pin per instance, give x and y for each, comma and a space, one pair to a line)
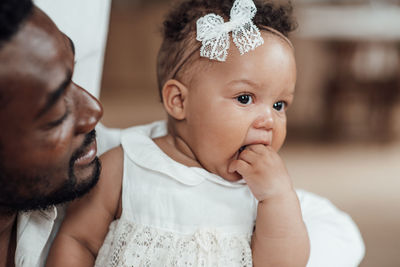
174, 215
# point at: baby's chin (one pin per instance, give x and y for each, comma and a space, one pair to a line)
231, 177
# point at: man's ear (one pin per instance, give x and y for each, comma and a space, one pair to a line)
174, 96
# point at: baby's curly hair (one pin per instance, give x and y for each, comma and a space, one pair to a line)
179, 28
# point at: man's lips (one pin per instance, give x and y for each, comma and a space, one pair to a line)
88, 155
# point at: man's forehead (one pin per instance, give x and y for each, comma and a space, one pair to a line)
35, 37
38, 42
31, 56
35, 61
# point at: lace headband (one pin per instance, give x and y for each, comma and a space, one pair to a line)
213, 33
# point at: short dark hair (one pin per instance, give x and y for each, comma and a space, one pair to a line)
12, 14
179, 27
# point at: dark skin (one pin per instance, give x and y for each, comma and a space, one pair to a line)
44, 122
7, 240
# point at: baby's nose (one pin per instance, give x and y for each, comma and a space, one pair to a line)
265, 121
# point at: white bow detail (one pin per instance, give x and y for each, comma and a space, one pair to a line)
214, 33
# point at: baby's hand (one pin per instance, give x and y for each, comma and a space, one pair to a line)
264, 172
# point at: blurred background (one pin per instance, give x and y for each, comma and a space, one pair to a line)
344, 126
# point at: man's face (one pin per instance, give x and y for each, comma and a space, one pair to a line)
47, 144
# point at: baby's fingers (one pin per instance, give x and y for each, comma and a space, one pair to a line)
259, 149
248, 155
239, 166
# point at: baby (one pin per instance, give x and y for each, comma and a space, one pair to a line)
207, 187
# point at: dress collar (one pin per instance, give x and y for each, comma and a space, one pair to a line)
139, 147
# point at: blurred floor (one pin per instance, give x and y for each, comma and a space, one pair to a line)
361, 179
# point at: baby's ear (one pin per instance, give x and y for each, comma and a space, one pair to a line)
174, 98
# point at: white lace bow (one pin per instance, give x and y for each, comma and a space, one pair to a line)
213, 32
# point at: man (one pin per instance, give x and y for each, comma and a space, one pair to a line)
47, 138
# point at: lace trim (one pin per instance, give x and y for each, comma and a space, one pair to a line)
214, 33
128, 244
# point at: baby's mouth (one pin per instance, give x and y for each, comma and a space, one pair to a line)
240, 151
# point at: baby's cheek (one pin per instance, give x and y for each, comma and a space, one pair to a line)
279, 136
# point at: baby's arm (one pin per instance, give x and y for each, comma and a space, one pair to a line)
280, 237
86, 224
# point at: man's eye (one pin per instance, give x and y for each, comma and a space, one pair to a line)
279, 106
58, 122
245, 99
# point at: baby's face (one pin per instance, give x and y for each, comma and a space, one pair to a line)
240, 102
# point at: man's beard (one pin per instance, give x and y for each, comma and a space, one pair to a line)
71, 189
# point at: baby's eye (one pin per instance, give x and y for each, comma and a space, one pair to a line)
279, 106
245, 99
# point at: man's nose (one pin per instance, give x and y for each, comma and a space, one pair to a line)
264, 121
89, 111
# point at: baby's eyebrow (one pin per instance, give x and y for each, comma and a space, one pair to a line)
288, 93
245, 81
291, 92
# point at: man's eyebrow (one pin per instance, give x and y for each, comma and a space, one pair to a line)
72, 45
53, 97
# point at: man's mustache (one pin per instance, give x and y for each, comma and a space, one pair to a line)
89, 138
